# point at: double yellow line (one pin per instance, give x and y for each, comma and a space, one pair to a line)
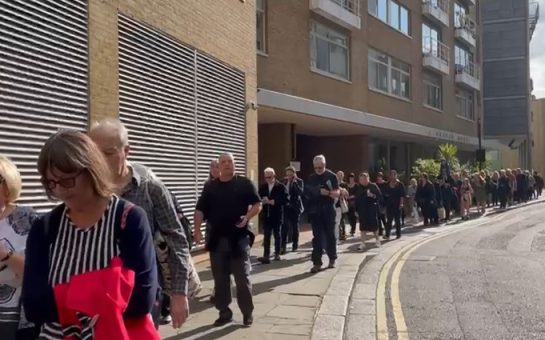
398, 259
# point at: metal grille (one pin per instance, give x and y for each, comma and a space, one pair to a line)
43, 81
181, 108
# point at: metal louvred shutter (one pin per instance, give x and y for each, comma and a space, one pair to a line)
182, 108
43, 81
221, 121
157, 104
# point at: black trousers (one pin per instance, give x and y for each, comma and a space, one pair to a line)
323, 236
223, 264
352, 220
393, 215
382, 223
270, 228
290, 229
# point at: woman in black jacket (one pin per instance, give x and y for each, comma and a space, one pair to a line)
425, 196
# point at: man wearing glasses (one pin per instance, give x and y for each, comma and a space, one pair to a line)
321, 190
274, 197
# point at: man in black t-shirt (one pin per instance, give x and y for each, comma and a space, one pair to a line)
225, 203
321, 190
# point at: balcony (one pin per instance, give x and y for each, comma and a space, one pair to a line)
466, 30
436, 10
468, 75
343, 12
469, 2
435, 55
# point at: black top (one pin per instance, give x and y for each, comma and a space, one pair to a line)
315, 202
393, 195
295, 195
425, 194
223, 203
274, 213
363, 200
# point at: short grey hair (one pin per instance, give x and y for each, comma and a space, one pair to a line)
269, 170
226, 154
319, 159
112, 127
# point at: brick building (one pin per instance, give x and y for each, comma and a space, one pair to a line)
371, 84
180, 74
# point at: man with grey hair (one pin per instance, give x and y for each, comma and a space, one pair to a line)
137, 184
225, 201
274, 197
321, 190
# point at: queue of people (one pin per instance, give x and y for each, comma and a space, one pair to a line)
113, 257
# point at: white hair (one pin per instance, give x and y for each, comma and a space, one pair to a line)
319, 159
114, 128
226, 154
269, 170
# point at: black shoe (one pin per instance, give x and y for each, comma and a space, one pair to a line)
315, 269
264, 260
283, 251
212, 299
223, 320
331, 264
398, 237
294, 247
248, 320
386, 237
277, 257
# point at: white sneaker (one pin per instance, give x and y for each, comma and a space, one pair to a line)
377, 243
362, 246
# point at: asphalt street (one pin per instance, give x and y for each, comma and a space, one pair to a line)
486, 282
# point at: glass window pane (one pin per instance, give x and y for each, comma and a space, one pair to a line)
322, 55
378, 76
405, 85
259, 4
372, 6
396, 82
404, 21
338, 61
394, 15
260, 30
382, 10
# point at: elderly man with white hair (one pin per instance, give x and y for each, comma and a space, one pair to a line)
274, 197
137, 184
321, 190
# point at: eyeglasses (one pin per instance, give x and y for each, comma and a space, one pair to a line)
67, 183
269, 177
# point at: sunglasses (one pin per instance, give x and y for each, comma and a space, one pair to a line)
67, 183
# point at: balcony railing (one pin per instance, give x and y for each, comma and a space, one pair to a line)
467, 67
465, 29
437, 10
343, 12
436, 54
352, 6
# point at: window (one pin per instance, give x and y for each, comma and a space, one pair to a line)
430, 39
391, 13
329, 50
389, 75
465, 104
433, 92
463, 59
261, 37
459, 15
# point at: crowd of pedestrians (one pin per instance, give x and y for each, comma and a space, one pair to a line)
112, 260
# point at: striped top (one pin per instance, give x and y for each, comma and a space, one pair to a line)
76, 251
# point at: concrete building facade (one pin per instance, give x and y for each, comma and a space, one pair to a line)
371, 84
180, 75
508, 26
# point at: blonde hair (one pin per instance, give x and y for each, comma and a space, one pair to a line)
70, 151
11, 178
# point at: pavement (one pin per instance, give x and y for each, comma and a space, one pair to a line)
354, 300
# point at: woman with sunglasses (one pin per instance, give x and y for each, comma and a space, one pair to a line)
90, 268
15, 222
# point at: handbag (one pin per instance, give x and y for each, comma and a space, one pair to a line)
344, 205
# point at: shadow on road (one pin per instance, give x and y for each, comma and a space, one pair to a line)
217, 334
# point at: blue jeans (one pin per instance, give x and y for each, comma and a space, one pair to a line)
323, 232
